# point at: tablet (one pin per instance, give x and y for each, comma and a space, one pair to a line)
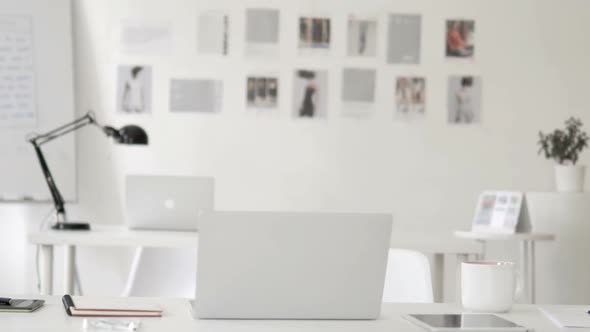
465, 323
16, 305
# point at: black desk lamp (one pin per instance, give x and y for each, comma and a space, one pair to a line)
127, 135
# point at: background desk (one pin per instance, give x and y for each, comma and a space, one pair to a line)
177, 317
436, 244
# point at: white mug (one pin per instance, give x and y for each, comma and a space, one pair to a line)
489, 286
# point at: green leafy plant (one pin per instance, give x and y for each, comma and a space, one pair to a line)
564, 146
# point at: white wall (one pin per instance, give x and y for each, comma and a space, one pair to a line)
531, 55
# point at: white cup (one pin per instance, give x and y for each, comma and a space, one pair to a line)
489, 286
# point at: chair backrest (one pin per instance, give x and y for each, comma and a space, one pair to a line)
408, 277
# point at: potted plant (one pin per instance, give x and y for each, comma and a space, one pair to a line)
564, 146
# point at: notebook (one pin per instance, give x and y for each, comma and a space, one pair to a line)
567, 316
113, 310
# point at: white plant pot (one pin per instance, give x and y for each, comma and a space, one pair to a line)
569, 178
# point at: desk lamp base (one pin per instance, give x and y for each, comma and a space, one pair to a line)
71, 226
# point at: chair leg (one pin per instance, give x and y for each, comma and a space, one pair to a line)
460, 259
133, 272
77, 284
438, 280
482, 255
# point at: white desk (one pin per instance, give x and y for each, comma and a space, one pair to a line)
97, 237
177, 317
436, 244
527, 252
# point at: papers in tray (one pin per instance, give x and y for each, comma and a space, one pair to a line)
567, 316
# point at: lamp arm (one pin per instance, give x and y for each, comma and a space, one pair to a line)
38, 140
49, 136
58, 200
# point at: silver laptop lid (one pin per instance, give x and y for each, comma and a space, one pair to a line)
263, 265
167, 202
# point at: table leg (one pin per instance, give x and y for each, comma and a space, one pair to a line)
460, 259
46, 269
133, 272
69, 269
532, 272
77, 283
525, 270
482, 255
438, 272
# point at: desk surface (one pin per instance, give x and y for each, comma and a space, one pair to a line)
178, 318
427, 242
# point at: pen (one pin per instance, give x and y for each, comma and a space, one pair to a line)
68, 303
5, 301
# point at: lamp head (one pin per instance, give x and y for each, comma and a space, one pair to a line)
130, 135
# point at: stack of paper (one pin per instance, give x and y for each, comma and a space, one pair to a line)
568, 316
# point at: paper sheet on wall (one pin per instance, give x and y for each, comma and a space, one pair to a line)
358, 92
196, 95
262, 32
404, 34
262, 93
17, 74
146, 38
213, 33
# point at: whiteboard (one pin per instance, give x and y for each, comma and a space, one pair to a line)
36, 95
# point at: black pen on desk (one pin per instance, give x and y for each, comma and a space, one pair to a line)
68, 303
5, 300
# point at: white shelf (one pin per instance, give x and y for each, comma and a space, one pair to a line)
505, 237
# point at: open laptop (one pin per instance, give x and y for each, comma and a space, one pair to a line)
267, 265
167, 202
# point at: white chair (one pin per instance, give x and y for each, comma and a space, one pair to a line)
408, 278
164, 272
